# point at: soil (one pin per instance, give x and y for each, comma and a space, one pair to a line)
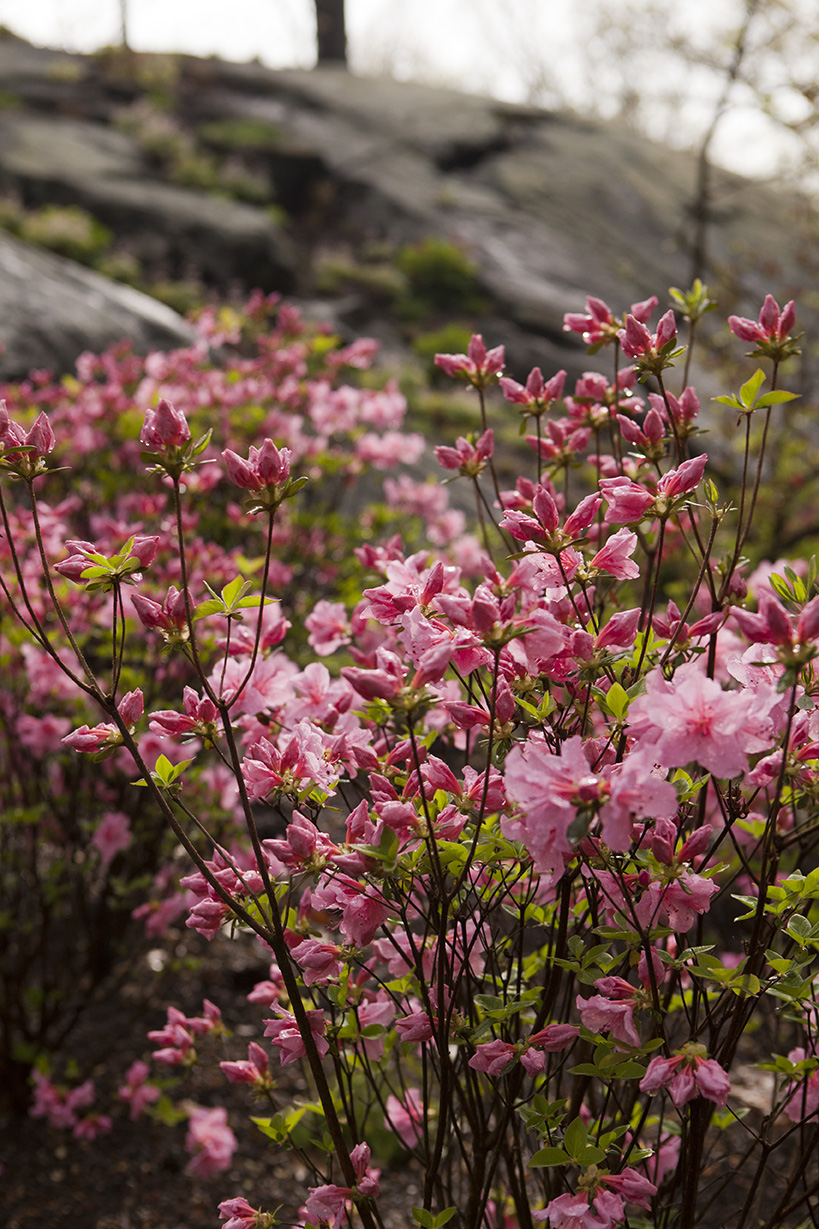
134, 1177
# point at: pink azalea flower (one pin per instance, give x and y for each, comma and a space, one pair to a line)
600, 1014
773, 324
477, 366
254, 1070
112, 835
265, 467
405, 1117
469, 459
136, 1092
493, 1057
614, 556
284, 1033
211, 1141
803, 1101
164, 427
686, 1075
238, 1214
691, 719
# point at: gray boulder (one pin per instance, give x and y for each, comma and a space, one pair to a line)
171, 229
52, 309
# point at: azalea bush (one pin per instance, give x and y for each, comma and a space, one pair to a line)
524, 823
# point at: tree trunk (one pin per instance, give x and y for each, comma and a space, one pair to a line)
331, 35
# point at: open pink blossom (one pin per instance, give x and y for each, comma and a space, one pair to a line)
211, 1141
687, 1074
477, 367
111, 835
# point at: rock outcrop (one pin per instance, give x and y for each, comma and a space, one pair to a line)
549, 207
52, 309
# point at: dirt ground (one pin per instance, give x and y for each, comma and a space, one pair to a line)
134, 1177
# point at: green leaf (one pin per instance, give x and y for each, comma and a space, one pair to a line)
750, 389
776, 398
213, 605
422, 1217
547, 1157
489, 1002
232, 590
799, 927
591, 1155
617, 701
575, 1137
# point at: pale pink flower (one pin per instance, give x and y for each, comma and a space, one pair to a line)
691, 719
686, 1075
803, 1101
600, 1014
112, 835
328, 627
136, 1091
493, 1057
284, 1033
614, 556
211, 1141
405, 1117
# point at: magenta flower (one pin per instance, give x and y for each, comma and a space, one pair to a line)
265, 467
477, 367
773, 325
469, 459
34, 445
164, 427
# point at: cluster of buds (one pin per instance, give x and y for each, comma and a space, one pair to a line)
478, 367
169, 618
24, 452
100, 740
599, 326
266, 473
89, 567
166, 437
771, 333
651, 352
